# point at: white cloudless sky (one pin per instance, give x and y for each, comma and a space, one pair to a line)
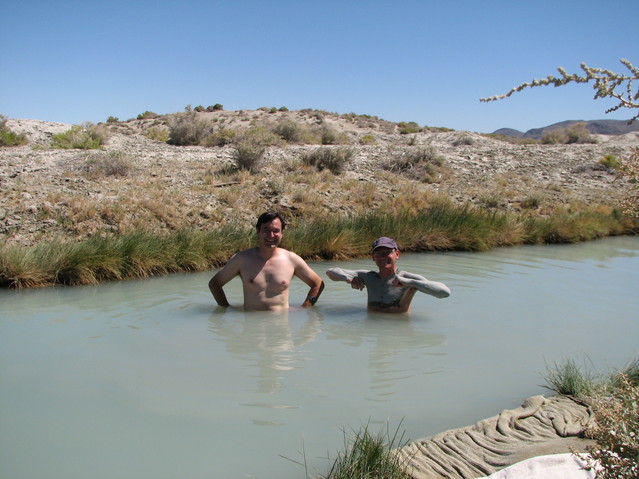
404, 60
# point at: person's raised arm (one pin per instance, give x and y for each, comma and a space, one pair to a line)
439, 290
223, 276
339, 274
347, 275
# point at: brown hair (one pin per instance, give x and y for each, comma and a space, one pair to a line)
267, 218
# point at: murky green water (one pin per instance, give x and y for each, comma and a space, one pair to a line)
148, 380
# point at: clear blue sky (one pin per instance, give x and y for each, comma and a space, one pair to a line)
424, 61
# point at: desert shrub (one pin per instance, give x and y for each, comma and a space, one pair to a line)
262, 136
417, 163
220, 137
157, 134
147, 115
610, 161
463, 139
113, 163
368, 140
629, 169
8, 137
554, 137
531, 202
577, 133
615, 403
616, 454
187, 128
216, 107
85, 137
248, 155
291, 131
333, 159
329, 136
112, 119
251, 145
283, 108
406, 127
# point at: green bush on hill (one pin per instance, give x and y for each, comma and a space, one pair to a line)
8, 137
85, 137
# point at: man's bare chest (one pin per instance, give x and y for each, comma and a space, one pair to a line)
269, 274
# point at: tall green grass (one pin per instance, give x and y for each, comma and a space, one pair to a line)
368, 455
441, 227
113, 257
570, 379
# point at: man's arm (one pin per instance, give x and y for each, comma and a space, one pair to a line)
223, 276
304, 272
349, 276
439, 290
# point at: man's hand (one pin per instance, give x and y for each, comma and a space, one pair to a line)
357, 283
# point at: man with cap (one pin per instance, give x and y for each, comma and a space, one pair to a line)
389, 289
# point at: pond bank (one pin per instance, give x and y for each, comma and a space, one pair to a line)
443, 227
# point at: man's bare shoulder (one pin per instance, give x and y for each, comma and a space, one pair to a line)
240, 259
294, 258
244, 255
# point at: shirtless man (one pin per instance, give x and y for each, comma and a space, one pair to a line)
389, 290
267, 271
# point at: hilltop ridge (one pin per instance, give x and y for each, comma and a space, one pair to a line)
596, 127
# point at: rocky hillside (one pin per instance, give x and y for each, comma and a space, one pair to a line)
137, 182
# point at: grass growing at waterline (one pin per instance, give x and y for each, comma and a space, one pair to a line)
569, 379
438, 228
369, 455
114, 257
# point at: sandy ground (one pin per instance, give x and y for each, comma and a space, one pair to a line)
47, 193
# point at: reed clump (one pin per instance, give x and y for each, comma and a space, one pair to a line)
367, 454
117, 257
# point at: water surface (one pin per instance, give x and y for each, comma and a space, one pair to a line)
148, 379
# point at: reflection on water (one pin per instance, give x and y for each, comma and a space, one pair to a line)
149, 379
266, 344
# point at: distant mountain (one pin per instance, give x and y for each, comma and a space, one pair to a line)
598, 127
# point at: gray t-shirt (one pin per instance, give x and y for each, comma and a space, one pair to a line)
381, 291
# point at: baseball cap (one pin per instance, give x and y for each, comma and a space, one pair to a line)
384, 242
